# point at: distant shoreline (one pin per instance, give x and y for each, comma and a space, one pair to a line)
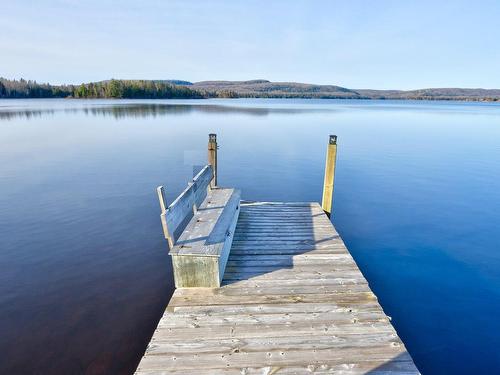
467, 100
177, 89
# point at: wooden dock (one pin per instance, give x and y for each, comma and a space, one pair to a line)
291, 301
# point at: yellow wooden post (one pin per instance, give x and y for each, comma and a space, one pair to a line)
331, 157
212, 156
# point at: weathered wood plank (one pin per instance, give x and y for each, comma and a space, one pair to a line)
249, 204
304, 257
270, 299
399, 366
256, 282
194, 320
261, 344
272, 237
243, 331
290, 212
298, 268
283, 232
283, 275
284, 289
277, 308
277, 246
283, 219
284, 252
298, 265
330, 357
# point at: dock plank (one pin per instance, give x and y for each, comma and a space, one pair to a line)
292, 301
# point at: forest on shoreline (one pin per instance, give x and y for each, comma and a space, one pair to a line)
177, 89
126, 89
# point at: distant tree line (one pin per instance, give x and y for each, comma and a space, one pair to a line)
120, 89
176, 89
128, 89
31, 89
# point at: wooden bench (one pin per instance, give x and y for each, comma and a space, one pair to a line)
199, 226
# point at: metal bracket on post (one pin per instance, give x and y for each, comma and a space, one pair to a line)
331, 158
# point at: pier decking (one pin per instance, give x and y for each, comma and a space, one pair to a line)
291, 301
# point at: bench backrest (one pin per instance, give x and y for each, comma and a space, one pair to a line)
175, 217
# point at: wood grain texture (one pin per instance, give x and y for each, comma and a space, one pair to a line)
212, 157
292, 301
331, 157
200, 255
207, 230
174, 217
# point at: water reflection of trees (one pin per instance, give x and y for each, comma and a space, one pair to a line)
132, 110
25, 113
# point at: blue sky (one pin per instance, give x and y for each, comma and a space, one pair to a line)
357, 44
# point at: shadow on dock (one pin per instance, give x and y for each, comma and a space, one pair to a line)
273, 239
401, 364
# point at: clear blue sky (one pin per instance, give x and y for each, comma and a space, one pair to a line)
357, 44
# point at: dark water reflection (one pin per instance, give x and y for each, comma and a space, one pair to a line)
143, 110
84, 272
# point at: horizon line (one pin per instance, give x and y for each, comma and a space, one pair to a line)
249, 80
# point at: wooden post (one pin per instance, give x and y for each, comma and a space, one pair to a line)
163, 206
331, 156
212, 156
162, 199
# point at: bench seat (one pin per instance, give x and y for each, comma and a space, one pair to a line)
200, 254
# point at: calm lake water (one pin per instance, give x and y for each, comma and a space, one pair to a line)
84, 270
